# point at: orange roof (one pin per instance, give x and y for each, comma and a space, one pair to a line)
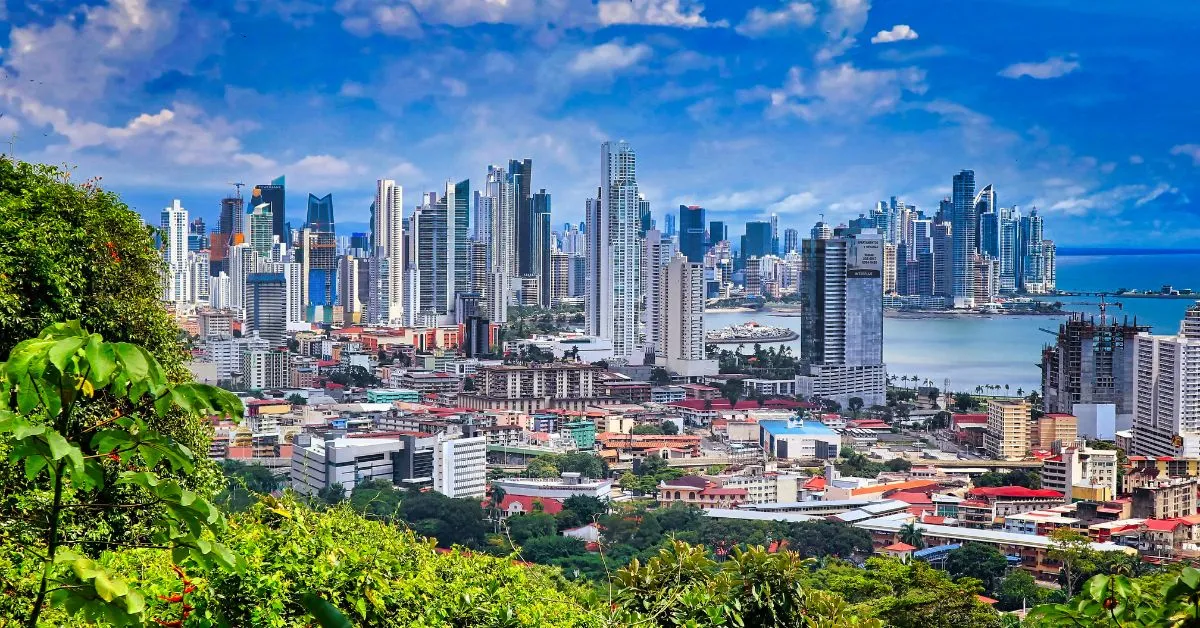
816, 483
899, 547
894, 486
985, 599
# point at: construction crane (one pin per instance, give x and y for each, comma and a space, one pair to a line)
238, 187
1102, 304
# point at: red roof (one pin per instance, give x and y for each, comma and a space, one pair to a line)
1015, 492
933, 520
549, 505
744, 404
816, 483
1164, 525
899, 547
969, 418
912, 497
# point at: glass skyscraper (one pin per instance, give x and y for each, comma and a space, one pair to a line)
274, 194
963, 224
691, 233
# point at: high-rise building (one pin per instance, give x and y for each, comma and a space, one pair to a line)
1090, 363
360, 243
386, 300
821, 231
1166, 402
197, 235
258, 229
964, 222
520, 178
266, 311
177, 285
645, 218
458, 217
201, 276
943, 261
481, 219
264, 369
614, 253
243, 261
274, 195
774, 234
348, 290
889, 267
441, 261
987, 233
560, 277
320, 214
669, 219
1007, 434
691, 233
757, 241
500, 194
478, 254
658, 253
842, 318
541, 245
460, 466
791, 241
1031, 271
293, 274
717, 232
681, 320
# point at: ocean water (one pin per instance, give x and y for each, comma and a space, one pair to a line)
1005, 350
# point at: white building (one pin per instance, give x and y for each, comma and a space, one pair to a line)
1166, 403
200, 269
348, 289
346, 461
658, 253
226, 353
612, 298
569, 485
388, 289
1078, 466
243, 262
682, 320
264, 370
293, 275
460, 467
177, 276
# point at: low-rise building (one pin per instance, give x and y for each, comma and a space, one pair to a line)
1054, 428
699, 492
1081, 472
389, 395
562, 488
1166, 499
321, 464
798, 440
667, 394
986, 507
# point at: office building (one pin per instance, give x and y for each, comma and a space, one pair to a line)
258, 230
612, 299
1007, 435
177, 285
460, 467
243, 261
347, 462
200, 271
274, 195
1166, 499
669, 227
1166, 402
266, 309
680, 328
842, 318
197, 236
757, 241
691, 233
889, 267
560, 277
1080, 472
717, 232
386, 299
440, 257
943, 261
503, 266
821, 231
540, 255
964, 224
987, 232
1051, 428
293, 273
520, 180
348, 290
1090, 363
791, 241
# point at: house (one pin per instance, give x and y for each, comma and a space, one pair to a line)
524, 504
694, 490
901, 551
988, 506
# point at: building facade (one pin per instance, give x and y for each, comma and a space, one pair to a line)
1166, 405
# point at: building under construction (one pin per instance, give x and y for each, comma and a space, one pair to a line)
1090, 363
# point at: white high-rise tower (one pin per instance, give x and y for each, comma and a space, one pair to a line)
177, 284
386, 302
614, 252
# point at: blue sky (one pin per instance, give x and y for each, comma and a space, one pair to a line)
747, 107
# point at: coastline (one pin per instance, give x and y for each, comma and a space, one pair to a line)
916, 314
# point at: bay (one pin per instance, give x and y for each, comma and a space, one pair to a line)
971, 351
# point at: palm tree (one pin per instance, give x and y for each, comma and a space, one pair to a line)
1006, 389
1020, 392
909, 533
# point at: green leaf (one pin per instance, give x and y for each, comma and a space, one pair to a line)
34, 465
23, 429
1098, 587
109, 589
102, 359
326, 614
59, 447
134, 603
63, 350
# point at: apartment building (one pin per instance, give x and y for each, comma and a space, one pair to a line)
1052, 428
1007, 435
1082, 473
460, 467
1166, 499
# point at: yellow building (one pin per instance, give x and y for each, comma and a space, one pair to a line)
1008, 427
1063, 428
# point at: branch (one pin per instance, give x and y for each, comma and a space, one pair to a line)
106, 506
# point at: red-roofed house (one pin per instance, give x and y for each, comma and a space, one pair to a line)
968, 429
694, 490
524, 504
901, 551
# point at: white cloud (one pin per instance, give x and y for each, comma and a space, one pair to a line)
759, 22
1053, 67
794, 203
323, 166
1190, 150
843, 22
352, 89
609, 58
1159, 190
1137, 159
689, 60
1111, 201
676, 13
842, 91
899, 32
364, 17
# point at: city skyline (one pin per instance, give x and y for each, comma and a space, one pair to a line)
717, 99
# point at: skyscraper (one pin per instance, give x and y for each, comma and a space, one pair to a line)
520, 173
320, 214
691, 233
614, 255
658, 253
348, 289
757, 241
987, 233
266, 310
319, 250
201, 276
964, 222
541, 245
441, 255
842, 318
943, 261
177, 278
1166, 408
1090, 363
273, 193
385, 302
197, 235
681, 319
503, 262
791, 240
717, 232
458, 216
774, 234
669, 220
258, 229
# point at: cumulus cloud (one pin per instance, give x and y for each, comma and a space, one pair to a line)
1189, 150
842, 22
676, 13
760, 22
1137, 159
1053, 67
609, 58
843, 91
899, 32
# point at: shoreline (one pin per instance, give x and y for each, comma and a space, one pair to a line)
917, 314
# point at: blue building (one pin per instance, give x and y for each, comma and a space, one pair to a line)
691, 233
798, 440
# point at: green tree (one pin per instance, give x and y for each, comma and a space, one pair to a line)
78, 467
670, 428
909, 533
545, 549
297, 399
732, 390
450, 521
376, 499
1019, 590
1073, 549
855, 405
580, 510
646, 430
522, 528
964, 402
332, 495
659, 376
898, 464
976, 560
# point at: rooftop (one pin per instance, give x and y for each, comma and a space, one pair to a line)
797, 428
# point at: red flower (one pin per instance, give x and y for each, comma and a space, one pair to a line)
112, 251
